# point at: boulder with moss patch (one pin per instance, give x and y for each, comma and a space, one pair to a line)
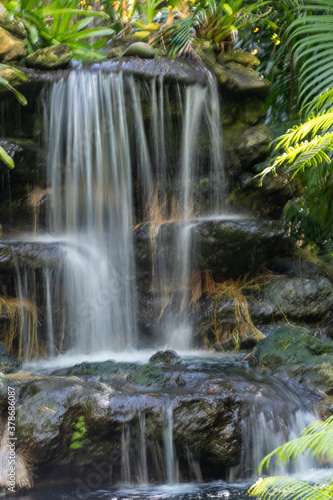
140, 49
8, 364
296, 353
55, 57
14, 26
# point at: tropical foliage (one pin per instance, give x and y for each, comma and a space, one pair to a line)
59, 22
212, 20
316, 439
306, 149
4, 83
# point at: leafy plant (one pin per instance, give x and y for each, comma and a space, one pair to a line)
4, 83
58, 23
316, 439
312, 37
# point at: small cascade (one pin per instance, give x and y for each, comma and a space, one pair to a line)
126, 478
169, 448
274, 414
143, 476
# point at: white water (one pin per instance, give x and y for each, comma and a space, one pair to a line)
110, 167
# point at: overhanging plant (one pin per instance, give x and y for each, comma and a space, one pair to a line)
4, 83
59, 22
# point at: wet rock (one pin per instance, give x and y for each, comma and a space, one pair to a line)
65, 421
140, 49
172, 70
168, 357
209, 428
244, 58
299, 298
8, 364
296, 353
231, 249
14, 26
228, 248
11, 47
34, 255
54, 57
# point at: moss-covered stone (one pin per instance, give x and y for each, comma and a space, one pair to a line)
14, 26
11, 47
244, 58
55, 57
205, 51
105, 370
149, 375
140, 49
3, 387
8, 364
294, 352
165, 357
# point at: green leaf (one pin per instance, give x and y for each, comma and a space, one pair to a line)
228, 9
88, 34
6, 158
100, 43
17, 94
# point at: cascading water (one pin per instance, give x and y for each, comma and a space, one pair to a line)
100, 132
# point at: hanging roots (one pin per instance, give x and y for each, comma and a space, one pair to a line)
232, 290
19, 316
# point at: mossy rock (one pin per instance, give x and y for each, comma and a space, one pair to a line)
55, 57
149, 375
105, 370
168, 357
14, 26
8, 364
140, 49
3, 387
296, 353
244, 58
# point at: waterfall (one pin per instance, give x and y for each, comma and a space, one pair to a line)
120, 155
170, 456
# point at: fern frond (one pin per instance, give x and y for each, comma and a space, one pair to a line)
288, 488
314, 125
317, 439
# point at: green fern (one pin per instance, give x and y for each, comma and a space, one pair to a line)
316, 439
